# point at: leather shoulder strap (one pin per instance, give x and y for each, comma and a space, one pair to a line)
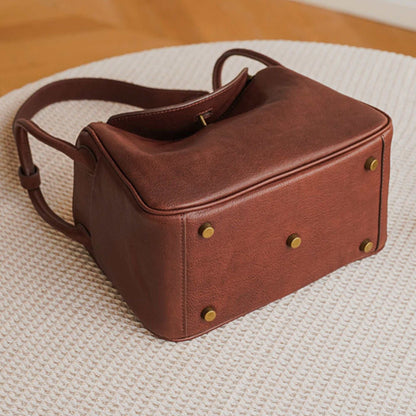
77, 89
92, 89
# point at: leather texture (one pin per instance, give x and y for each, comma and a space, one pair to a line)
280, 154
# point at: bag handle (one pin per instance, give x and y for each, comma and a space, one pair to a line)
76, 89
248, 53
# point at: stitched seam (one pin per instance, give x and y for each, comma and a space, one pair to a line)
184, 280
172, 110
91, 194
380, 216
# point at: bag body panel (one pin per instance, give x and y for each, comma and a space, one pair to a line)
168, 273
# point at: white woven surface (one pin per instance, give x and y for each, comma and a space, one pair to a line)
345, 345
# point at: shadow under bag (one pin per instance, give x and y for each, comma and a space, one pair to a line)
205, 206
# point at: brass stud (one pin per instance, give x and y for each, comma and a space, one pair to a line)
209, 314
366, 245
294, 241
206, 230
371, 164
203, 121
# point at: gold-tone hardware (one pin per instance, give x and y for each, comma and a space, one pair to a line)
371, 164
366, 245
294, 241
209, 314
206, 230
202, 118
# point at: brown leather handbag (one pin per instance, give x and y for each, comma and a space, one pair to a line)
206, 206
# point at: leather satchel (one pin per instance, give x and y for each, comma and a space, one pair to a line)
205, 206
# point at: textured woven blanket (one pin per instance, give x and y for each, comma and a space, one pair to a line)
69, 345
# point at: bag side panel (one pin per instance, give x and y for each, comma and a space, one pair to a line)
247, 263
142, 254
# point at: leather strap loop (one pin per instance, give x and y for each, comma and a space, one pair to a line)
216, 75
31, 181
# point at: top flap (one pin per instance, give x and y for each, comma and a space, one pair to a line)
180, 120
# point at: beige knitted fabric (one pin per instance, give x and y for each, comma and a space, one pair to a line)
69, 345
